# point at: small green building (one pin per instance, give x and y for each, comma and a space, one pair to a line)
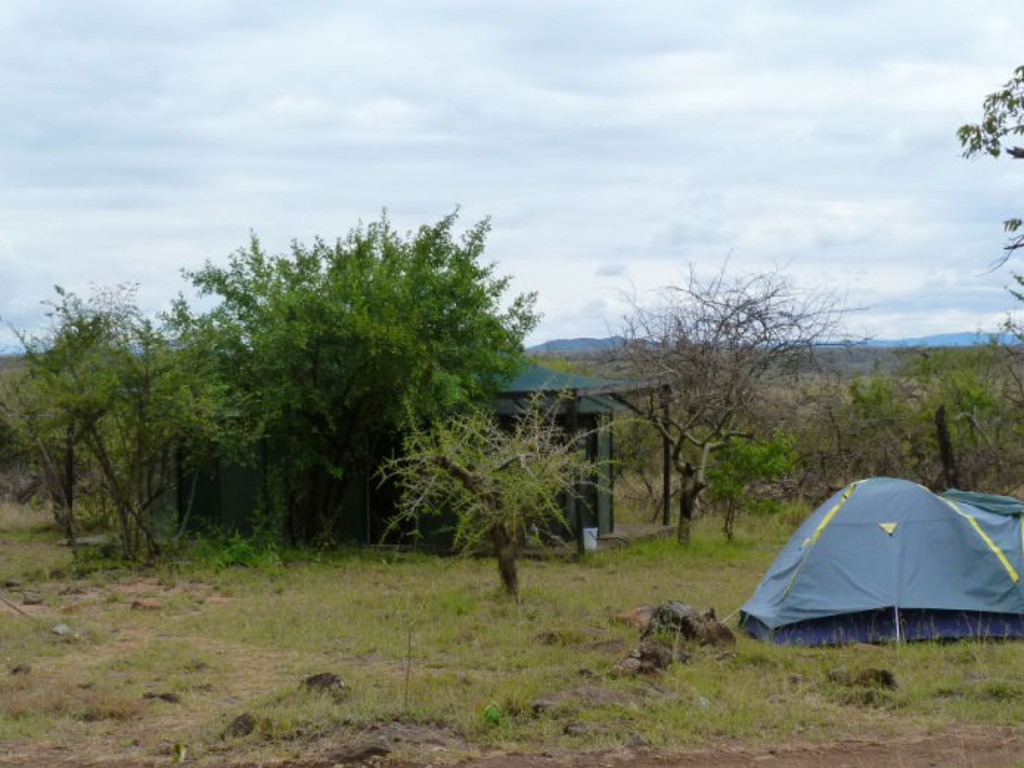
583, 404
230, 496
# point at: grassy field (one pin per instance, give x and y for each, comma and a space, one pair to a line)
211, 658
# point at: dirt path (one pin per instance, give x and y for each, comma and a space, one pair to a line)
975, 747
969, 748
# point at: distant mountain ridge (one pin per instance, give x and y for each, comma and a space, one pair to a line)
947, 340
582, 344
590, 344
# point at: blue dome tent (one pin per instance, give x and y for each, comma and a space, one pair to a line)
887, 559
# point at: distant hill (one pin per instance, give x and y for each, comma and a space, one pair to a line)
584, 344
946, 340
587, 344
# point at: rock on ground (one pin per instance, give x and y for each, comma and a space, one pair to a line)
674, 621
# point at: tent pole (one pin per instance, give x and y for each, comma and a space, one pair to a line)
896, 615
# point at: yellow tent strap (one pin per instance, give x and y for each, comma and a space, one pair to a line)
810, 542
988, 540
831, 513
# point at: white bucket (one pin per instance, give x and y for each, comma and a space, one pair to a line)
590, 539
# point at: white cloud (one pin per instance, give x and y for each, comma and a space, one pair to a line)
612, 269
613, 145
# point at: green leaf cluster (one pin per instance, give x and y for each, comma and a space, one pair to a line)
745, 462
1003, 116
742, 466
108, 386
332, 349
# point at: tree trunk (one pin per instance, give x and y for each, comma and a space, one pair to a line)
131, 518
690, 491
69, 489
506, 551
729, 519
949, 468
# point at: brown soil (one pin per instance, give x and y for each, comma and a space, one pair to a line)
985, 747
974, 747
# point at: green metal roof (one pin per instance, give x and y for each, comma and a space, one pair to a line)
592, 395
536, 379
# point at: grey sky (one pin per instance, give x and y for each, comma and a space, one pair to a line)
613, 144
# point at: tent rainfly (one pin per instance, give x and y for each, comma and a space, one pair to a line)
887, 559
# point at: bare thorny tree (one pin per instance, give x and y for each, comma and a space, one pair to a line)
496, 480
713, 345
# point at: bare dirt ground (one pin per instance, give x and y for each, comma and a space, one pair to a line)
974, 747
980, 748
984, 748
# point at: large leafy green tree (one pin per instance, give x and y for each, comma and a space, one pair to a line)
332, 348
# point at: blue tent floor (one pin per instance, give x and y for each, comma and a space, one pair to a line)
879, 625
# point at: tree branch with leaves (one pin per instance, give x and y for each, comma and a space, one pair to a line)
496, 481
1002, 119
115, 384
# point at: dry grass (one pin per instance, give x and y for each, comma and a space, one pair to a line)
21, 518
432, 644
26, 696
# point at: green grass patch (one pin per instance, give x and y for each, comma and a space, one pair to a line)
430, 642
